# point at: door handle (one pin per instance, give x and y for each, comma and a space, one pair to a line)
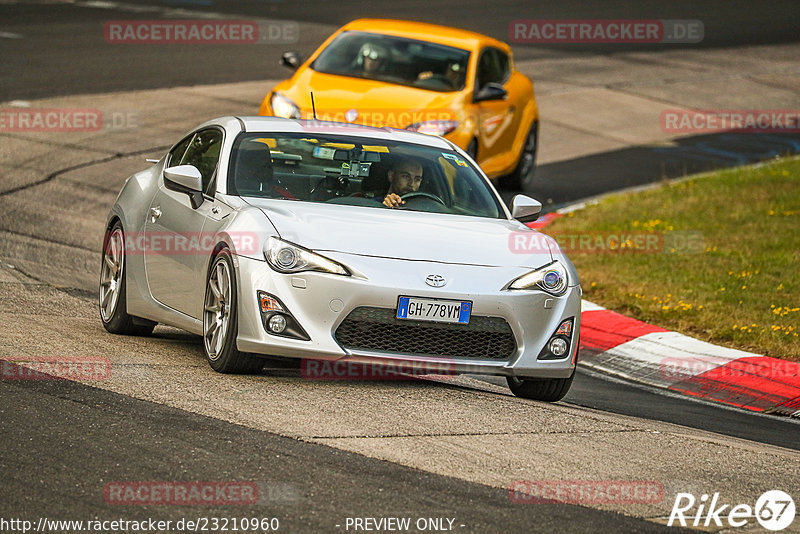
155, 213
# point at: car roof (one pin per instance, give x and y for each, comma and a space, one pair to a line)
425, 32
278, 124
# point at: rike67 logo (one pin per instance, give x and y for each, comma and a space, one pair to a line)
774, 510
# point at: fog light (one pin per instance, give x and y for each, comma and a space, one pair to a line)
558, 346
277, 323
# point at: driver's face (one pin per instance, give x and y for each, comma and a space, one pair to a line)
405, 179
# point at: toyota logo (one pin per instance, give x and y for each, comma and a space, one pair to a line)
435, 280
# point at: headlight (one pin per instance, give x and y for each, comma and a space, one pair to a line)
286, 257
434, 127
283, 107
551, 278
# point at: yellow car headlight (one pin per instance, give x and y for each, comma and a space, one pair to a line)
284, 107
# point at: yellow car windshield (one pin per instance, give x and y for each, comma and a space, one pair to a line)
395, 60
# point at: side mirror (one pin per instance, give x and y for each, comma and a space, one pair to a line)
525, 209
291, 60
490, 91
185, 179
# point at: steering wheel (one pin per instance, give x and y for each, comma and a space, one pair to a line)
422, 194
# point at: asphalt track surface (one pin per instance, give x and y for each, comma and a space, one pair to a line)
87, 437
61, 440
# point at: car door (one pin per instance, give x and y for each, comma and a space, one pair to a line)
176, 248
496, 118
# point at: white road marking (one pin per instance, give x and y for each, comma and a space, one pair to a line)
590, 306
10, 35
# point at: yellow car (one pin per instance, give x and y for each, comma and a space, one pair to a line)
431, 79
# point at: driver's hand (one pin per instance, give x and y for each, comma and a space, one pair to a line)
393, 200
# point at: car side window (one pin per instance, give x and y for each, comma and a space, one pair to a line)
176, 154
203, 153
503, 65
493, 66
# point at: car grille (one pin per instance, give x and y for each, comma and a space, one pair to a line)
368, 328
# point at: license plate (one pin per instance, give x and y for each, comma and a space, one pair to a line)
436, 310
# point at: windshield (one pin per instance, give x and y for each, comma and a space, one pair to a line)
339, 169
395, 60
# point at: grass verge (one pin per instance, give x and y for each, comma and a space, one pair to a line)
716, 257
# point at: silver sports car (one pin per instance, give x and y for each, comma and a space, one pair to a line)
338, 243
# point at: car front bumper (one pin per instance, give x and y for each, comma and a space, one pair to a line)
321, 302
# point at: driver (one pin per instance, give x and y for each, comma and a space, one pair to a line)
405, 177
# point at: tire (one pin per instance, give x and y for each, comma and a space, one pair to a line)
220, 320
542, 389
522, 176
112, 289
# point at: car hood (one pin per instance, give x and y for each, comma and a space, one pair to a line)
375, 103
407, 235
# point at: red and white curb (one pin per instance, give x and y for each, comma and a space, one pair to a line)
640, 352
637, 351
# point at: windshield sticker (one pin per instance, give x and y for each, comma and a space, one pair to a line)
323, 152
455, 159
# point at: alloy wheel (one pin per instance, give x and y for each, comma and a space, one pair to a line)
111, 274
216, 316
